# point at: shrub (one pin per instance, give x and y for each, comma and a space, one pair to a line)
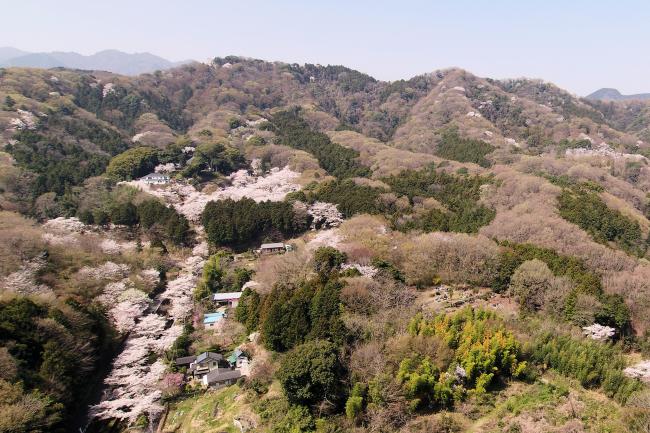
452, 146
353, 406
310, 373
328, 260
133, 163
529, 284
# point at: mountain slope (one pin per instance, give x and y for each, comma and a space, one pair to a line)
7, 53
608, 94
107, 60
443, 190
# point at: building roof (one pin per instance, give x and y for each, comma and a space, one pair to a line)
212, 318
155, 176
235, 354
272, 246
185, 360
222, 374
226, 296
209, 355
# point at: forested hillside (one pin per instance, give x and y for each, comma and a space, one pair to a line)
446, 253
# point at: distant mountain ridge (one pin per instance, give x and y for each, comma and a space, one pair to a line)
608, 94
108, 60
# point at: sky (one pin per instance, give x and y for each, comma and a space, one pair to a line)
579, 45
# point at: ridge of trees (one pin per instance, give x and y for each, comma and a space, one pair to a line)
293, 131
588, 211
594, 364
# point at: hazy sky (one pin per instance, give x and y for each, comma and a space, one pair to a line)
580, 45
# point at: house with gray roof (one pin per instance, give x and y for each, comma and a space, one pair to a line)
185, 360
221, 377
274, 248
205, 363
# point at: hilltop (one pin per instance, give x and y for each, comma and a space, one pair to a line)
457, 253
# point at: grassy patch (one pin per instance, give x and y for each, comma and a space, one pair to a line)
210, 412
554, 403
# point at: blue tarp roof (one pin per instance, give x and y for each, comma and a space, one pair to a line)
212, 317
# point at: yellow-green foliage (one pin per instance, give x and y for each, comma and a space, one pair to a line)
483, 349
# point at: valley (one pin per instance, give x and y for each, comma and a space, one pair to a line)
242, 245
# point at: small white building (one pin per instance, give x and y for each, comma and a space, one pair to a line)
231, 299
155, 179
274, 248
213, 320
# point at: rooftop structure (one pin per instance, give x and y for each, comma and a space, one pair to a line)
221, 377
155, 178
274, 248
229, 298
211, 319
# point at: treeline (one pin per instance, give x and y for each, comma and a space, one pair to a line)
351, 199
209, 159
107, 139
49, 354
236, 223
337, 160
439, 363
305, 321
347, 79
133, 163
453, 146
213, 158
587, 210
57, 153
459, 194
